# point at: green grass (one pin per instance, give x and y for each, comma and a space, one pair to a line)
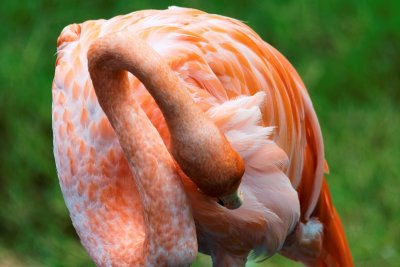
346, 51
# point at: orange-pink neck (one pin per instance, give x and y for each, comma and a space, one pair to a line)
197, 145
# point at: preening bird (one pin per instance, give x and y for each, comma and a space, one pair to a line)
178, 131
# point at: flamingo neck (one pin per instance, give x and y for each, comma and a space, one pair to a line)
201, 150
170, 232
167, 213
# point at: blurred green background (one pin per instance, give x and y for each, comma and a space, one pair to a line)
346, 51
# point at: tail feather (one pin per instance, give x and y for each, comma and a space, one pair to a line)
320, 242
335, 250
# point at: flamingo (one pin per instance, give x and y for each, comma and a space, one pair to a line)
177, 131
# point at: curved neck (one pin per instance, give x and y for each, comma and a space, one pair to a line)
167, 215
198, 146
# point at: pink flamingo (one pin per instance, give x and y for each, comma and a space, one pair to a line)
177, 131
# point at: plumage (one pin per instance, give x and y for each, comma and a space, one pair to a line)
256, 99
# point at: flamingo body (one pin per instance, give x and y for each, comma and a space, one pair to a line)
254, 96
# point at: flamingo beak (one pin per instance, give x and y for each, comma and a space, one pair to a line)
232, 201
